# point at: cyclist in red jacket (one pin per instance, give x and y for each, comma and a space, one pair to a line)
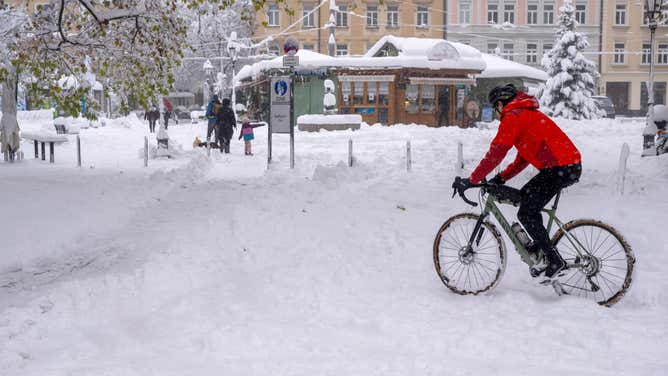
541, 143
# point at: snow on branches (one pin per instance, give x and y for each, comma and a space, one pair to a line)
571, 85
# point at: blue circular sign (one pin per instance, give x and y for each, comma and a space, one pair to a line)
281, 88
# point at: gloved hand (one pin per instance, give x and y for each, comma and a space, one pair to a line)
497, 180
461, 184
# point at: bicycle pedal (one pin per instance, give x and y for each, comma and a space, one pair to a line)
537, 269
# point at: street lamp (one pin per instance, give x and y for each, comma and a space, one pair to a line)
233, 50
208, 70
652, 15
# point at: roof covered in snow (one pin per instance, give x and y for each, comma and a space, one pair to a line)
498, 67
423, 53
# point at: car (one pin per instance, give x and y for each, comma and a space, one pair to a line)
605, 104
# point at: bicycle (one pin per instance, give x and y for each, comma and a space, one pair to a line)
470, 254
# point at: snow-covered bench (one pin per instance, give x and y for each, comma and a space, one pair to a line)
314, 123
44, 138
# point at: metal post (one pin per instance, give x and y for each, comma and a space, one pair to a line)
459, 167
623, 157
50, 152
36, 150
43, 151
292, 118
650, 129
350, 152
269, 140
409, 161
78, 151
145, 151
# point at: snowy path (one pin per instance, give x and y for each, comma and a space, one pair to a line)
227, 270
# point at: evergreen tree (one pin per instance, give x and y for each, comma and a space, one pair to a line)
570, 87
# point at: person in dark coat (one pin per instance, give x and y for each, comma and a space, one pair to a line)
227, 123
212, 119
152, 115
168, 111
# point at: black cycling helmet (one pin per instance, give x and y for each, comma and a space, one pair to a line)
504, 93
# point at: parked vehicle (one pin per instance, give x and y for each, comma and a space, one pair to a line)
605, 104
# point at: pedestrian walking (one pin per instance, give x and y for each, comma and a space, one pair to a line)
152, 115
227, 123
212, 120
168, 111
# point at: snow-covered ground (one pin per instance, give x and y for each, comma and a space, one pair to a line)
217, 265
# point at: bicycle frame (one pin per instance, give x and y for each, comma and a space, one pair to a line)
492, 208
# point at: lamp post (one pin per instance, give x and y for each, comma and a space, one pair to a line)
208, 70
233, 50
652, 15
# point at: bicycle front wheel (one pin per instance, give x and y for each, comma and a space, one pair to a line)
604, 261
468, 269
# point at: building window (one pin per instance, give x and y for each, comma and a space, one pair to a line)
492, 48
492, 13
273, 15
422, 16
508, 51
645, 54
384, 93
532, 14
532, 53
393, 16
342, 16
358, 92
662, 53
309, 16
618, 57
581, 13
371, 92
509, 13
372, 16
341, 49
465, 12
428, 100
307, 47
620, 14
345, 92
548, 14
274, 50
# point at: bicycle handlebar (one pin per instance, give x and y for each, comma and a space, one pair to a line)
457, 189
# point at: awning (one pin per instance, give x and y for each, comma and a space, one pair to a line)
246, 85
442, 80
366, 78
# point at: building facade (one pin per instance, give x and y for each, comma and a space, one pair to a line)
626, 55
519, 30
360, 24
30, 5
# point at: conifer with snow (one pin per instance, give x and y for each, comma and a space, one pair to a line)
570, 87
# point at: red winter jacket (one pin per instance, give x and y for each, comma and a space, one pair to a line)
538, 141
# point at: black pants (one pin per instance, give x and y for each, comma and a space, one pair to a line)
537, 193
151, 126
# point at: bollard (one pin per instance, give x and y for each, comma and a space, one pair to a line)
350, 152
623, 157
145, 151
409, 161
459, 167
78, 151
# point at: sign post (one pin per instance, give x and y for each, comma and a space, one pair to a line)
281, 110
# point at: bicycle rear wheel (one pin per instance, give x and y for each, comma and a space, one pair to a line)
607, 260
467, 270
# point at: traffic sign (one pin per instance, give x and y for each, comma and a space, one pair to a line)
290, 61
